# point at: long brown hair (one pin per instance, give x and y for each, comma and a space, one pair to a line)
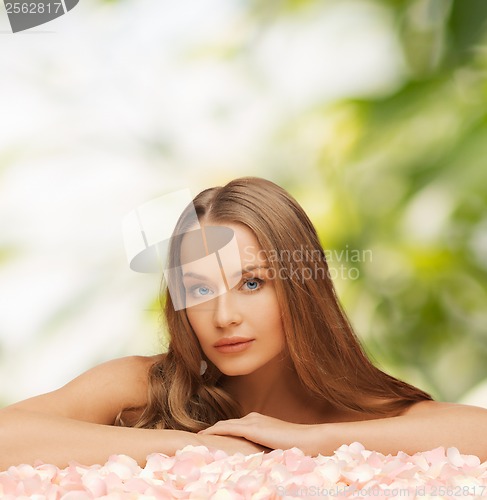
326, 353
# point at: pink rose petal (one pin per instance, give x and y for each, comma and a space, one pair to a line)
198, 473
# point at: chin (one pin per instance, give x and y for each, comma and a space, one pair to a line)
234, 371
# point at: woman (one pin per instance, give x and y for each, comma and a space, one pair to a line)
267, 360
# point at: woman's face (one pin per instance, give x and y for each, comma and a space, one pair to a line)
249, 309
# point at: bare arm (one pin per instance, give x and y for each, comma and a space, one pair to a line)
73, 423
425, 425
428, 425
29, 436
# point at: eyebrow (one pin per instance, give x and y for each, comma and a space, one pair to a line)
244, 270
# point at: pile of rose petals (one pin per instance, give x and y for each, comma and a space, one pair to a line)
196, 472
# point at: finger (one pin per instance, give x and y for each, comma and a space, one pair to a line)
221, 424
231, 430
217, 429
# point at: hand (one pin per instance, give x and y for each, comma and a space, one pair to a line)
230, 444
267, 431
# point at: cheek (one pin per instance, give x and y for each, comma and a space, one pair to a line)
274, 317
265, 312
269, 306
193, 321
198, 321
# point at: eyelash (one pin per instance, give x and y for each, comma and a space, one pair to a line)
193, 289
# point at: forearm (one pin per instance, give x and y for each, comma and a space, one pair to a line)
29, 436
463, 428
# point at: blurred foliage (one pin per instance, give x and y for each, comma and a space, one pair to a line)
405, 178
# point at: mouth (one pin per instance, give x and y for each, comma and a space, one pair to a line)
232, 341
229, 347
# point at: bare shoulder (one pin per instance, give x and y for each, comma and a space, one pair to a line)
425, 407
100, 393
129, 369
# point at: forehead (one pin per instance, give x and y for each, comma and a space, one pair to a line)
232, 246
247, 243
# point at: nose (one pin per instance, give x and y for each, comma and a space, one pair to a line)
226, 312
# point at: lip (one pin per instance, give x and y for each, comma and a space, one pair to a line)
230, 345
231, 340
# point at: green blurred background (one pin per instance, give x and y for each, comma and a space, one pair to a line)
371, 113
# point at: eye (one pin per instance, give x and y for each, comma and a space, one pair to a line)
253, 284
200, 291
